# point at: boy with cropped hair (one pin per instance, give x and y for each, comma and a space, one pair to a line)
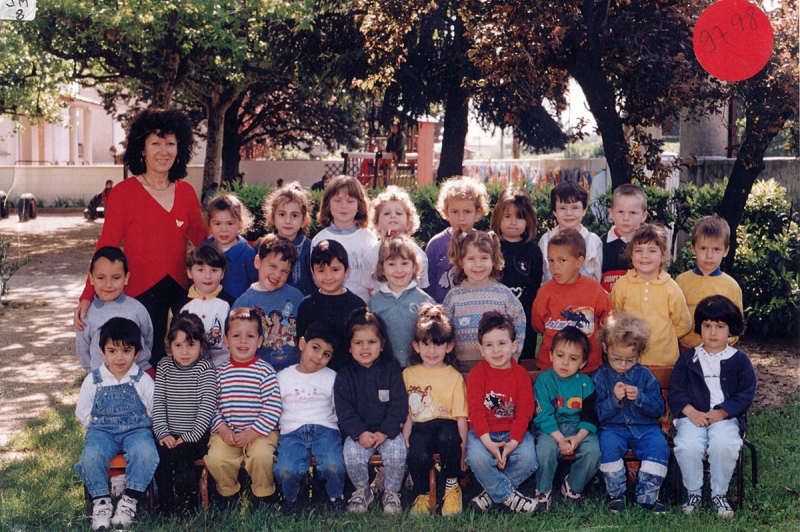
462, 200
569, 202
275, 302
332, 302
109, 275
628, 211
206, 298
566, 420
710, 245
569, 299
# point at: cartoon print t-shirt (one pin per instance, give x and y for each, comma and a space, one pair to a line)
434, 393
307, 399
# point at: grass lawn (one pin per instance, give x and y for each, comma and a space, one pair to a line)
41, 491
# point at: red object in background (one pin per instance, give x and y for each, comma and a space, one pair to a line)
733, 40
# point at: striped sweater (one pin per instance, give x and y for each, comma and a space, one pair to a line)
466, 304
184, 400
249, 397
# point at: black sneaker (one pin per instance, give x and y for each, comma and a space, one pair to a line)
289, 507
659, 508
265, 503
616, 505
338, 505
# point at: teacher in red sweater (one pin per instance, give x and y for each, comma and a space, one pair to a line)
152, 214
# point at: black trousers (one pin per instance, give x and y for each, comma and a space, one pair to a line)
428, 438
176, 473
158, 300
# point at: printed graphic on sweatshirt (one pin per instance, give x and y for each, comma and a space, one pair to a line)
446, 280
558, 402
214, 334
422, 406
304, 394
581, 317
280, 330
501, 405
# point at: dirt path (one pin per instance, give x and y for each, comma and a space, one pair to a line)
37, 340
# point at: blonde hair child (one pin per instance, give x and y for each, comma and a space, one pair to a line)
344, 216
648, 292
478, 265
398, 297
514, 221
286, 212
228, 218
393, 213
437, 410
462, 200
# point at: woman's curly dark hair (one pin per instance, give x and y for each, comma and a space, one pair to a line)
161, 122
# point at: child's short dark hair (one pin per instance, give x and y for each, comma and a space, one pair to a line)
494, 319
121, 331
279, 245
518, 199
327, 250
435, 327
362, 318
206, 255
570, 239
712, 228
110, 253
568, 192
243, 314
322, 330
573, 335
192, 326
719, 308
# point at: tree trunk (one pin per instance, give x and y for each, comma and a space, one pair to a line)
231, 142
602, 103
216, 105
456, 124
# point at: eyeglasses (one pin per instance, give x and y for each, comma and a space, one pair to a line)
623, 361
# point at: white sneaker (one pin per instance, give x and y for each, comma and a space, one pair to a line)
118, 484
126, 511
101, 513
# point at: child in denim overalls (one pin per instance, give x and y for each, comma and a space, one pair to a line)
115, 405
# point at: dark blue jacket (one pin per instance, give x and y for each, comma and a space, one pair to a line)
639, 416
687, 386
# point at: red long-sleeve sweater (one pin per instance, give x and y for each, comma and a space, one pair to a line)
154, 239
500, 400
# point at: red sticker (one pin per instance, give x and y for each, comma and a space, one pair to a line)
733, 40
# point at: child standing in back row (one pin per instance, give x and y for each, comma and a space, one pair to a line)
478, 265
393, 213
628, 211
437, 410
647, 291
710, 389
227, 218
514, 221
344, 216
286, 210
710, 244
569, 202
629, 404
462, 200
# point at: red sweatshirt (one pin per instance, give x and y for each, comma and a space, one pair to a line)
500, 400
155, 240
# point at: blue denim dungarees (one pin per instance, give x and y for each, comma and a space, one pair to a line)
119, 424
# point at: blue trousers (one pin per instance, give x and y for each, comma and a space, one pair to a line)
587, 459
651, 448
500, 484
295, 450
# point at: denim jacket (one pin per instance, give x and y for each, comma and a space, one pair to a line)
639, 416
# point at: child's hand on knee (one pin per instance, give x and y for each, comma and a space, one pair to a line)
168, 441
495, 449
716, 415
366, 440
227, 435
380, 437
245, 437
508, 448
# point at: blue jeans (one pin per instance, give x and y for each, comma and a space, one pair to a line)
500, 484
651, 448
119, 425
720, 440
587, 459
295, 450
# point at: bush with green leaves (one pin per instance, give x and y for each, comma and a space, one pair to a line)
767, 265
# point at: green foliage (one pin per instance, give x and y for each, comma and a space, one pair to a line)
253, 198
8, 266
